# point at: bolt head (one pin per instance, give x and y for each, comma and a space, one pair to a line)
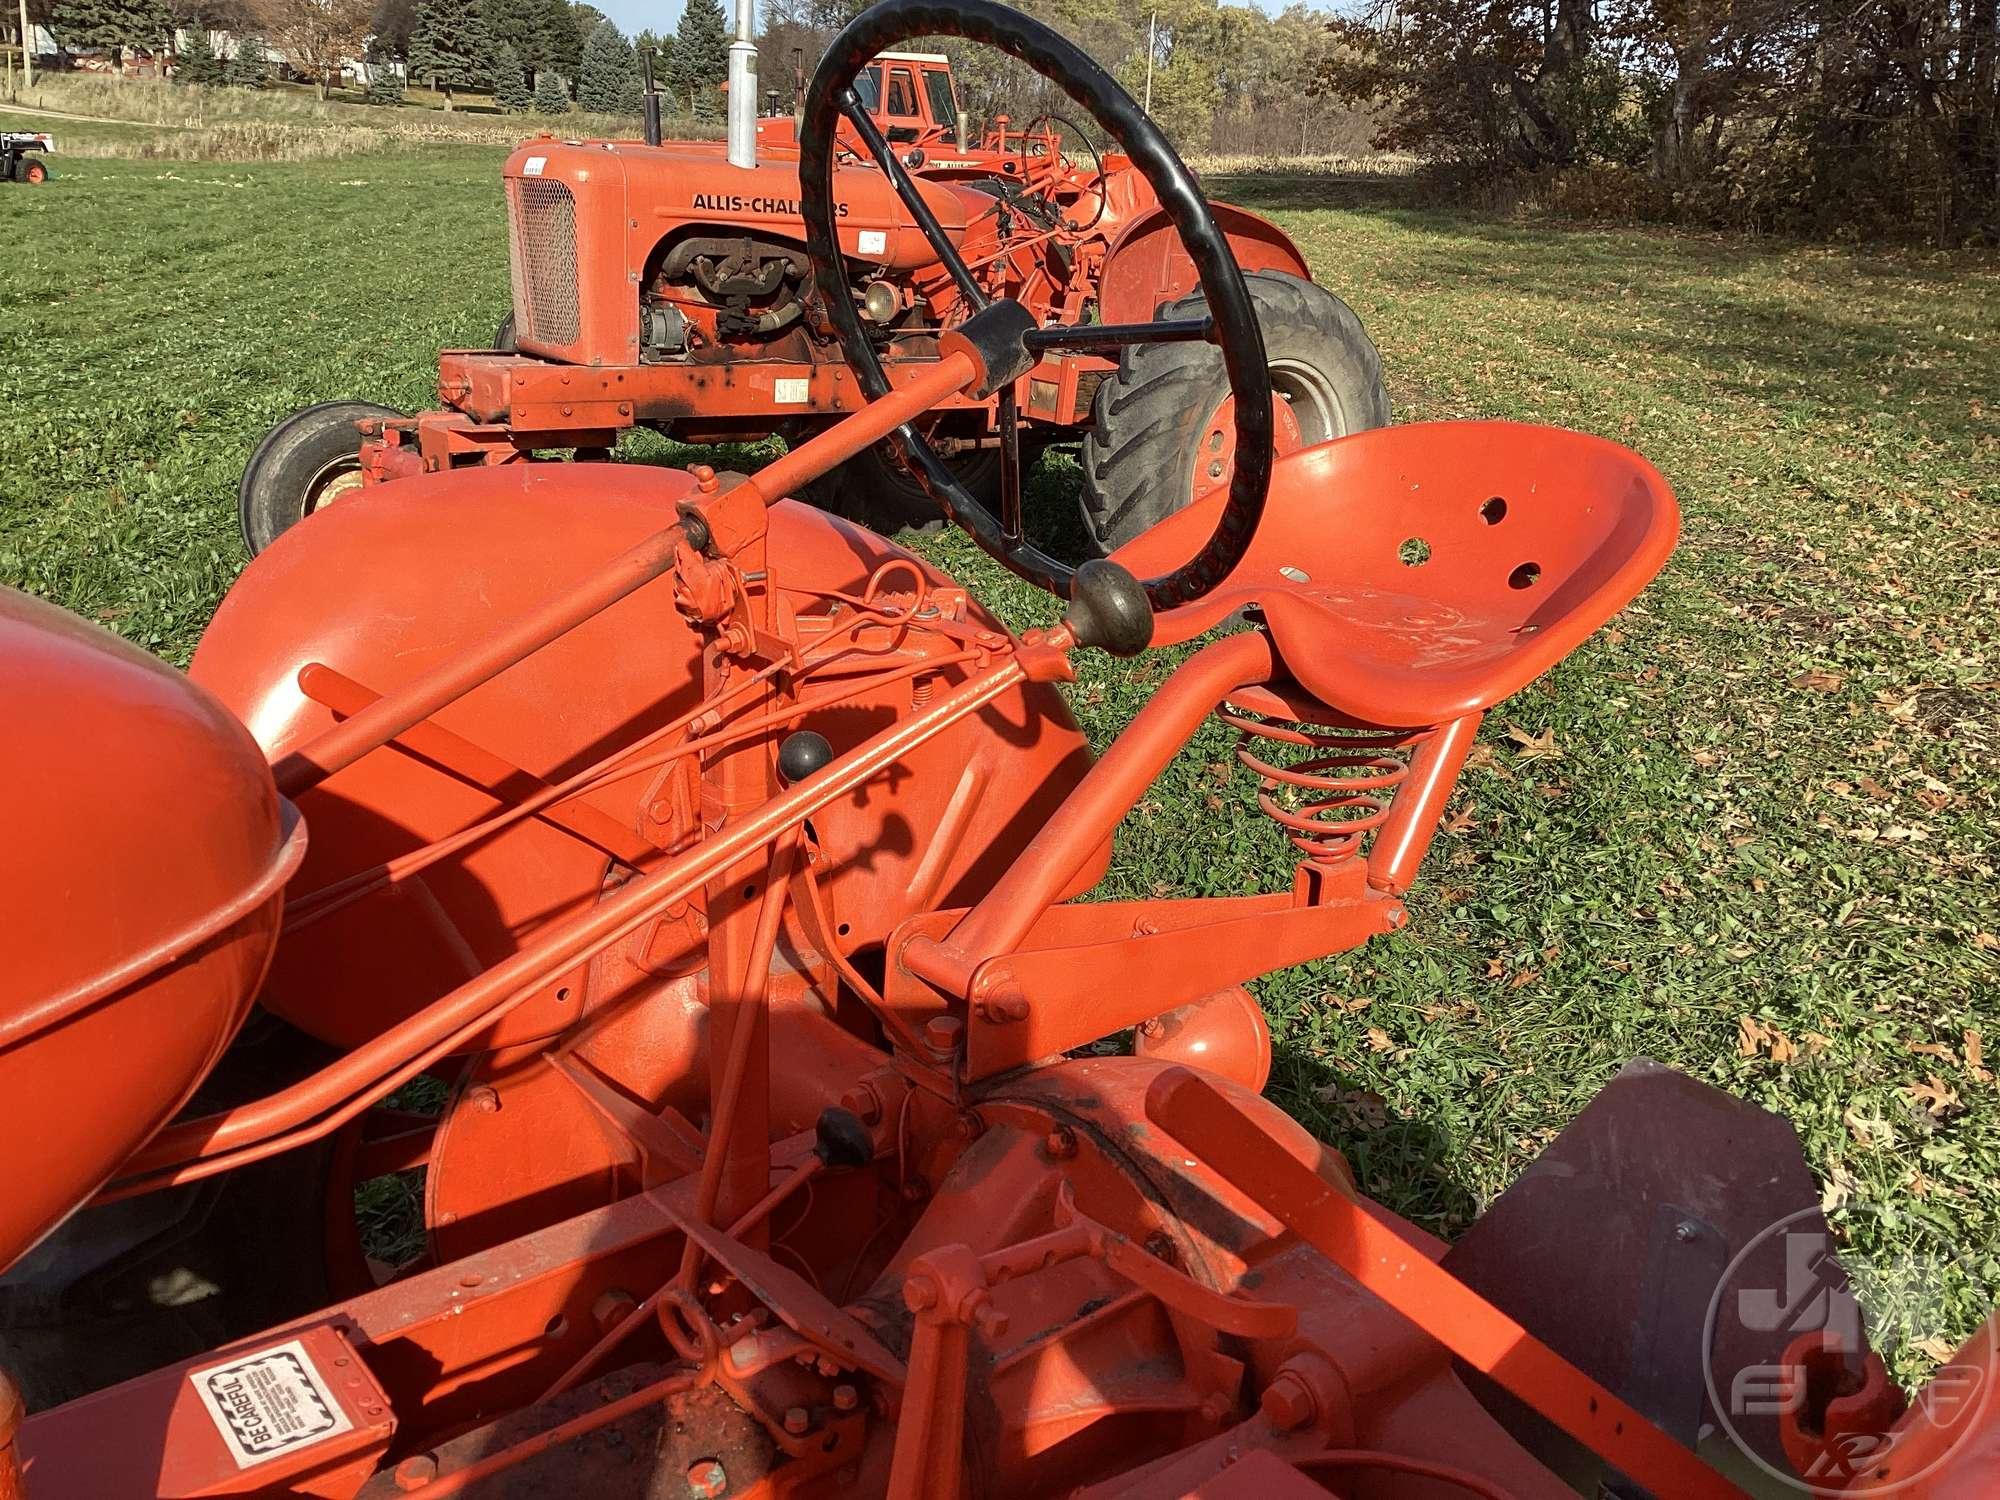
1060, 1143
845, 1398
942, 1032
707, 1478
1288, 1402
796, 1421
416, 1471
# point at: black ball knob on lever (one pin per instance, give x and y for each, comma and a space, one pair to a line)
801, 754
1108, 609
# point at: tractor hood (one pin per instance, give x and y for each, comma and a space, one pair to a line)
582, 215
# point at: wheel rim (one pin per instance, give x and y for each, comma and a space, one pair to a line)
1305, 409
336, 481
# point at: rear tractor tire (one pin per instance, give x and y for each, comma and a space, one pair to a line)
504, 337
306, 462
1161, 426
873, 489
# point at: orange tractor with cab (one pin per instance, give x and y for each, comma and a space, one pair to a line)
691, 890
668, 285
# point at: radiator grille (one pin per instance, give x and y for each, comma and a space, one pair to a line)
542, 256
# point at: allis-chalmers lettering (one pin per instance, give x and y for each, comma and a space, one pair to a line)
753, 203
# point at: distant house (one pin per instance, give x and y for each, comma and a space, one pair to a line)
143, 62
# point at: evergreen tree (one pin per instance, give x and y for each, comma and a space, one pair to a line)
450, 48
510, 84
197, 62
551, 94
248, 68
523, 26
114, 25
393, 22
562, 38
609, 77
385, 81
700, 59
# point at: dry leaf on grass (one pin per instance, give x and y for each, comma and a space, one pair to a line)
1760, 1038
1819, 682
1975, 1057
1936, 1096
1541, 746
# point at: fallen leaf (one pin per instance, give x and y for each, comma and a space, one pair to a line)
1523, 979
1931, 1049
1935, 1095
1934, 1349
1975, 1057
1819, 682
1755, 1037
1867, 1130
1378, 1040
1359, 1107
1541, 746
1873, 788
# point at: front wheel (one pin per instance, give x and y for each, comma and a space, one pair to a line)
307, 461
1163, 427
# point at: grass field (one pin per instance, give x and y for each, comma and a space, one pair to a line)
1751, 830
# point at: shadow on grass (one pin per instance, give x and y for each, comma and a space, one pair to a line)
1399, 1161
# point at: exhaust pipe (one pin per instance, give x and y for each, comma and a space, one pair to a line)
652, 98
743, 88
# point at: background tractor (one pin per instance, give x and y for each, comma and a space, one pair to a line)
21, 155
667, 285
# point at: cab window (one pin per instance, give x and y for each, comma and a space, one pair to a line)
902, 93
944, 108
869, 88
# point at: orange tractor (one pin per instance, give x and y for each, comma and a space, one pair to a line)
669, 286
689, 885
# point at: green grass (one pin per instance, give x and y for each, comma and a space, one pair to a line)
1775, 797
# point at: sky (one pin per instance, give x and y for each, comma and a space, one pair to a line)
635, 16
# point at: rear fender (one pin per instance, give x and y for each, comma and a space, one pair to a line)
403, 576
1147, 266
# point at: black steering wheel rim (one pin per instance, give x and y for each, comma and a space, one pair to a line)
1233, 319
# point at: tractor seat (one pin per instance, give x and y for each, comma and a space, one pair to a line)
1412, 575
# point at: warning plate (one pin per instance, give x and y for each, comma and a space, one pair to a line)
270, 1403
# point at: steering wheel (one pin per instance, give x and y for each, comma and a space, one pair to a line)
1231, 323
1096, 162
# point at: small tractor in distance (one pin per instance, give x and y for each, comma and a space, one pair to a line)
668, 286
18, 161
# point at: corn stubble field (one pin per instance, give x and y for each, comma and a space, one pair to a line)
1750, 830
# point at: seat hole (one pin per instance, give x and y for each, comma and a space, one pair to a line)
1525, 577
556, 1327
1415, 552
562, 994
1494, 511
845, 928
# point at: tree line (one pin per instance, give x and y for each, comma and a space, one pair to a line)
528, 54
1224, 77
1856, 117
